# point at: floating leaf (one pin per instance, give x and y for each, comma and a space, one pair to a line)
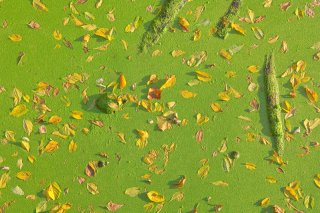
187, 94
27, 126
258, 33
184, 24
4, 178
312, 95
271, 179
224, 96
92, 188
265, 201
132, 192
220, 183
273, 39
155, 197
18, 191
199, 136
23, 175
15, 37
252, 68
238, 28
53, 191
203, 76
91, 169
51, 146
178, 196
55, 119
169, 82
77, 115
57, 35
112, 207
250, 166
99, 4
42, 206
122, 81
202, 119
225, 54
216, 107
176, 53
72, 146
34, 25
19, 110
39, 5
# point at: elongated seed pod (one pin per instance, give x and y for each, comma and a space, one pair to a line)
273, 104
161, 23
224, 25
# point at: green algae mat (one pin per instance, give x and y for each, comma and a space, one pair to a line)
159, 106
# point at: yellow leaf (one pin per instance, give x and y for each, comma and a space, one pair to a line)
253, 68
16, 95
155, 197
122, 81
23, 175
265, 201
176, 53
19, 110
188, 94
51, 146
39, 5
25, 145
72, 146
31, 159
202, 119
271, 179
184, 24
77, 115
250, 166
15, 37
76, 21
169, 82
216, 107
317, 182
238, 28
89, 27
203, 76
55, 119
53, 191
27, 126
197, 35
312, 95
147, 105
220, 183
225, 54
224, 96
4, 178
57, 35
103, 32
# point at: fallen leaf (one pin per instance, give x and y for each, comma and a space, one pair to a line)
132, 191
23, 175
265, 201
15, 37
184, 24
77, 114
216, 107
203, 76
57, 35
250, 166
155, 197
53, 191
51, 146
169, 82
72, 146
220, 183
178, 196
92, 188
19, 110
112, 207
176, 53
27, 126
187, 94
34, 25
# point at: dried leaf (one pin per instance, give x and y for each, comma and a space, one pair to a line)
253, 68
122, 81
184, 24
4, 178
312, 95
34, 25
178, 196
199, 136
55, 119
77, 114
91, 169
216, 107
112, 207
39, 5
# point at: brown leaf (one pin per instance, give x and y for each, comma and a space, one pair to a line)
112, 207
34, 25
91, 169
154, 93
199, 136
